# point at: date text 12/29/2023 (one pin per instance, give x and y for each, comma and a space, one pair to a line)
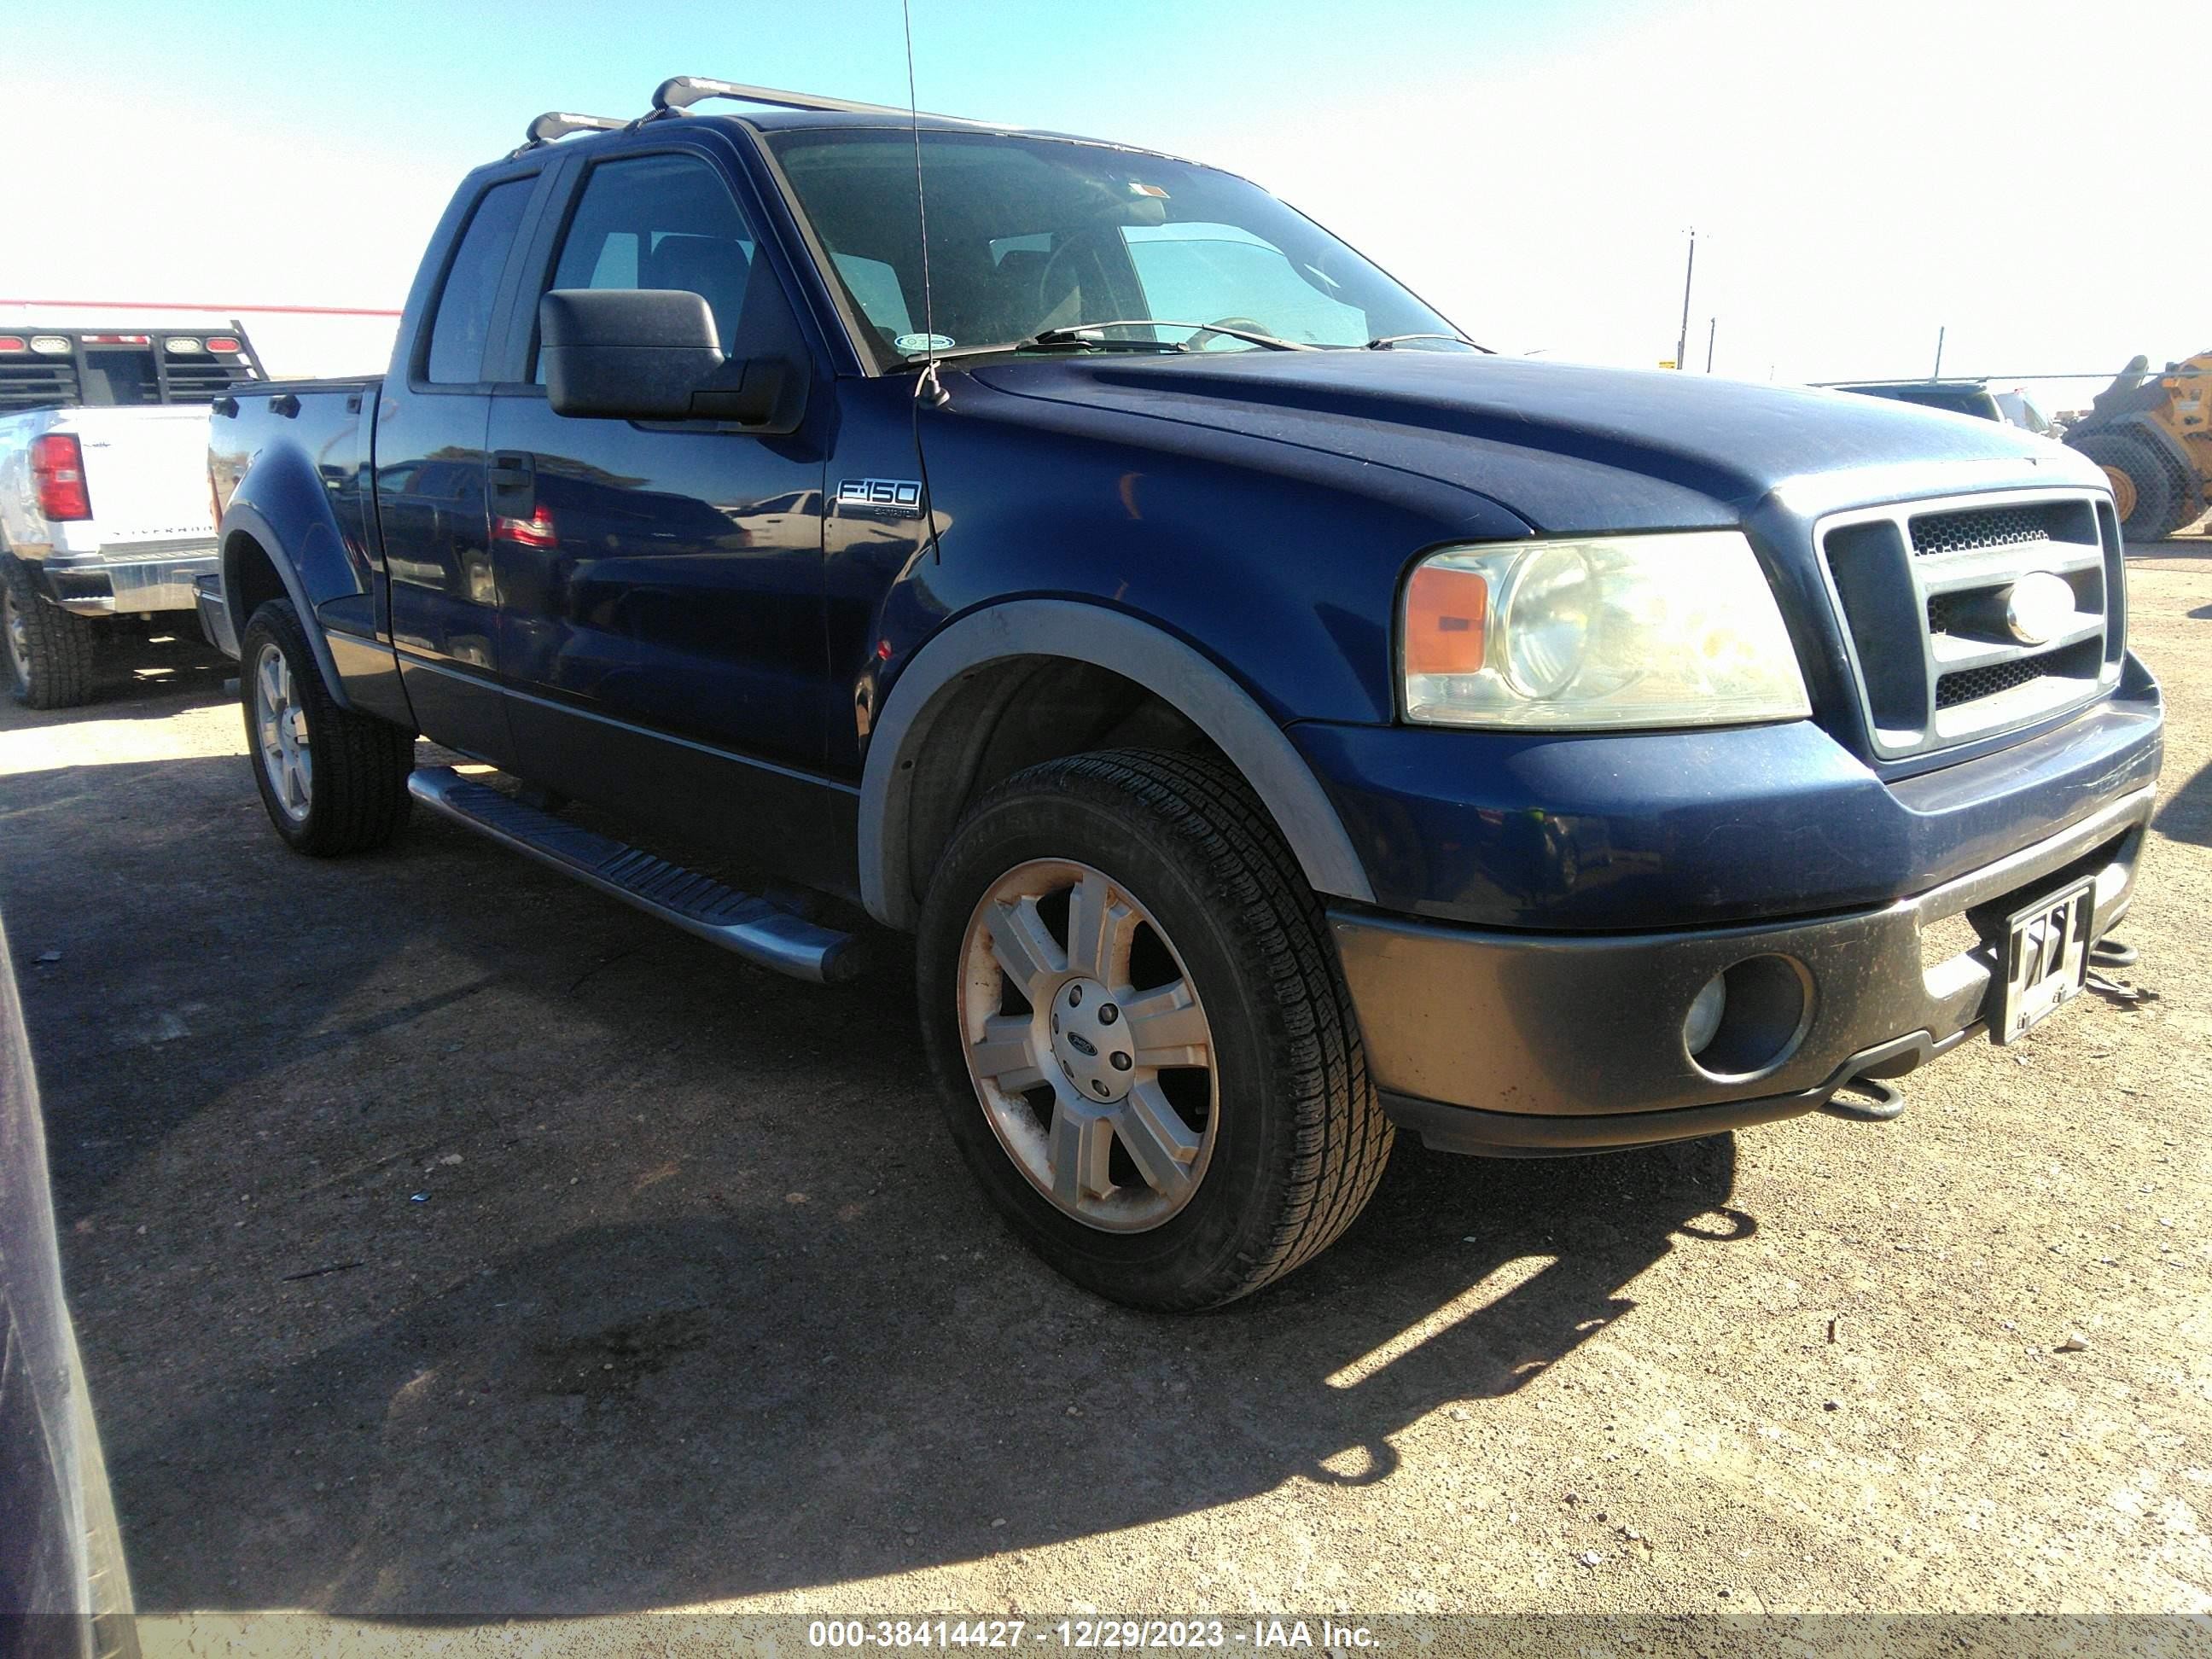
1093, 1634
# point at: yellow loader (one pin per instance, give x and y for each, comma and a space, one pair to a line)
2152, 433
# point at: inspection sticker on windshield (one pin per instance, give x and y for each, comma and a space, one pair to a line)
924, 342
1154, 190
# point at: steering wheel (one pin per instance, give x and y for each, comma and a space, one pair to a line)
1081, 241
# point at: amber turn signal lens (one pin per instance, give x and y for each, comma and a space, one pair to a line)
1446, 612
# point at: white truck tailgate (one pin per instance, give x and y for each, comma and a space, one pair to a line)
146, 470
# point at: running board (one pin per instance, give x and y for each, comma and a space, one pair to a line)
740, 922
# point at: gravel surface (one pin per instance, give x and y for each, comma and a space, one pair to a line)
446, 1239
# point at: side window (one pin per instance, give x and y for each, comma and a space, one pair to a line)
664, 222
462, 324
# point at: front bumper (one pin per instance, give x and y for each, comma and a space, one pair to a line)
125, 582
1489, 1041
1594, 832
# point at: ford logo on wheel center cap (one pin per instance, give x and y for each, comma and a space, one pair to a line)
2037, 607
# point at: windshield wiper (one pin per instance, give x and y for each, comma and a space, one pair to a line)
1051, 338
1074, 334
1080, 334
1388, 341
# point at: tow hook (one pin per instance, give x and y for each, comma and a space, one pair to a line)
1886, 1103
2111, 953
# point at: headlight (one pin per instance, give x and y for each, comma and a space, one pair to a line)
1598, 632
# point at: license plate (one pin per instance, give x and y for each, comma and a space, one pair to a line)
2047, 959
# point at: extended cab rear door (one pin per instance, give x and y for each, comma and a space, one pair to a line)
429, 464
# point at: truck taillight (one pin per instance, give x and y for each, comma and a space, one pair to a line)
57, 468
224, 344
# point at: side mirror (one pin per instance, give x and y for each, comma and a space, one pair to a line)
648, 355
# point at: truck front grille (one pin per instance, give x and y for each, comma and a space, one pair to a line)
1969, 684
1921, 588
1986, 527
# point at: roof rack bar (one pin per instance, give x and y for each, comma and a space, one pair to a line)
678, 92
559, 123
682, 91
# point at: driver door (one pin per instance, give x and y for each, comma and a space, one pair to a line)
663, 580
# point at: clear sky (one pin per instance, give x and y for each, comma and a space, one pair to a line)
2029, 172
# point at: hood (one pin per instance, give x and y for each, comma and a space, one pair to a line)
1569, 447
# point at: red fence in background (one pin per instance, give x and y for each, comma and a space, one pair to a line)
226, 310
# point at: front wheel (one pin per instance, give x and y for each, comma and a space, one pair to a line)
333, 781
1147, 1052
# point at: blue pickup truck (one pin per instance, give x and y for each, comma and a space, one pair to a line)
1277, 721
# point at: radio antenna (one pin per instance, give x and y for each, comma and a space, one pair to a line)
927, 385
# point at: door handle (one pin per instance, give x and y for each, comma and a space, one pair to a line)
510, 470
511, 500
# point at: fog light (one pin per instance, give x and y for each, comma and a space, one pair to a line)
1704, 1016
1750, 1018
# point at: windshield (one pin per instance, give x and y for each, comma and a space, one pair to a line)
1029, 234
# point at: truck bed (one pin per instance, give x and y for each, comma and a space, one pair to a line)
330, 421
301, 388
301, 435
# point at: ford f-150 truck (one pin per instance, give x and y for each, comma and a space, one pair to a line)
1277, 721
104, 507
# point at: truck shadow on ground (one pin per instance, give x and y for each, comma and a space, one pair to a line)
130, 670
2186, 814
141, 679
646, 1416
710, 1309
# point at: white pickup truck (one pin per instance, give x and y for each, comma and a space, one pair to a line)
105, 508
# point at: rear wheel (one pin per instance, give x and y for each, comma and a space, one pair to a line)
2147, 496
49, 651
333, 781
1147, 1052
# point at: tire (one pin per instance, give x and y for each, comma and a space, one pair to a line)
49, 651
2160, 507
333, 781
1279, 1140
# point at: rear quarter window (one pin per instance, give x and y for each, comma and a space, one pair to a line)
461, 326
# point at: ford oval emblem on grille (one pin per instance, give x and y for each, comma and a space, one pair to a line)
2037, 607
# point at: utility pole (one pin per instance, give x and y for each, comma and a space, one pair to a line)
1712, 328
1940, 332
1682, 344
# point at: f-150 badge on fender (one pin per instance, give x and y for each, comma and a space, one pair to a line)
879, 498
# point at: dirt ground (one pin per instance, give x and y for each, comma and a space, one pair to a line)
446, 1239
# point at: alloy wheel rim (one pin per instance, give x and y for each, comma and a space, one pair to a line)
280, 725
1088, 1047
18, 639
